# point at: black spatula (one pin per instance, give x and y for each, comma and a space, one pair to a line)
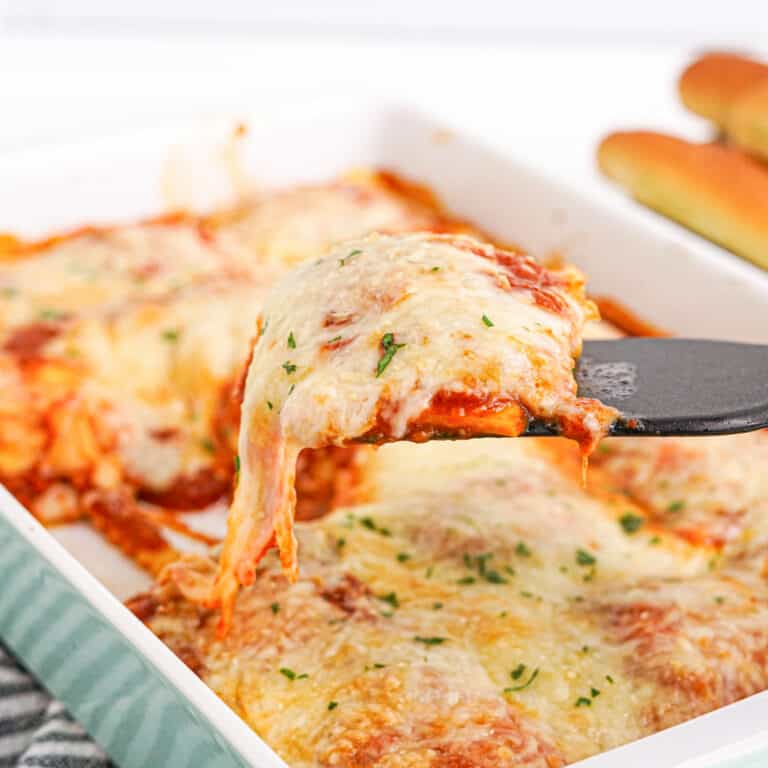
675, 386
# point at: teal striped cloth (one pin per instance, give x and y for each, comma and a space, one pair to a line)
35, 730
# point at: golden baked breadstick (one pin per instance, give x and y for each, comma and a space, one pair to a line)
714, 190
713, 84
732, 91
747, 124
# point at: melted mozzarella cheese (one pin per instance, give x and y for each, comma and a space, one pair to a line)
388, 338
453, 618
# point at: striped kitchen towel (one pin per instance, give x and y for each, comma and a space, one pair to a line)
36, 730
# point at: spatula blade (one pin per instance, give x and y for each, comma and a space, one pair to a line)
677, 386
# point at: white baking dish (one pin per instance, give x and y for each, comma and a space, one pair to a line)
68, 625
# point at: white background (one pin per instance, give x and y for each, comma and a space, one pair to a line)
546, 78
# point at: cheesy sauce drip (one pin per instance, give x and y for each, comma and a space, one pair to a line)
393, 338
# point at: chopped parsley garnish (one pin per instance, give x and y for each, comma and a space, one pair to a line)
171, 335
335, 339
494, 577
291, 675
428, 573
676, 506
585, 558
435, 269
609, 679
719, 599
403, 557
52, 315
583, 701
631, 523
390, 349
290, 391
510, 570
237, 464
654, 540
264, 328
207, 445
269, 405
467, 580
343, 261
437, 606
275, 607
595, 692
289, 367
379, 666
430, 640
291, 341
391, 598
341, 543
332, 705
516, 674
488, 322
522, 549
526, 593
370, 524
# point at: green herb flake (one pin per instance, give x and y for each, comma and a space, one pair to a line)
466, 580
517, 672
719, 599
585, 558
52, 315
391, 598
342, 262
269, 405
379, 666
275, 608
369, 523
237, 464
428, 573
403, 557
390, 349
494, 577
522, 549
207, 445
341, 543
676, 506
430, 640
291, 341
302, 676
332, 705
631, 523
289, 367
435, 269
437, 606
583, 701
609, 679
487, 321
594, 692
171, 335
289, 673
654, 540
335, 339
526, 684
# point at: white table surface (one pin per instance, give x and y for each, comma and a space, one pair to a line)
547, 105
